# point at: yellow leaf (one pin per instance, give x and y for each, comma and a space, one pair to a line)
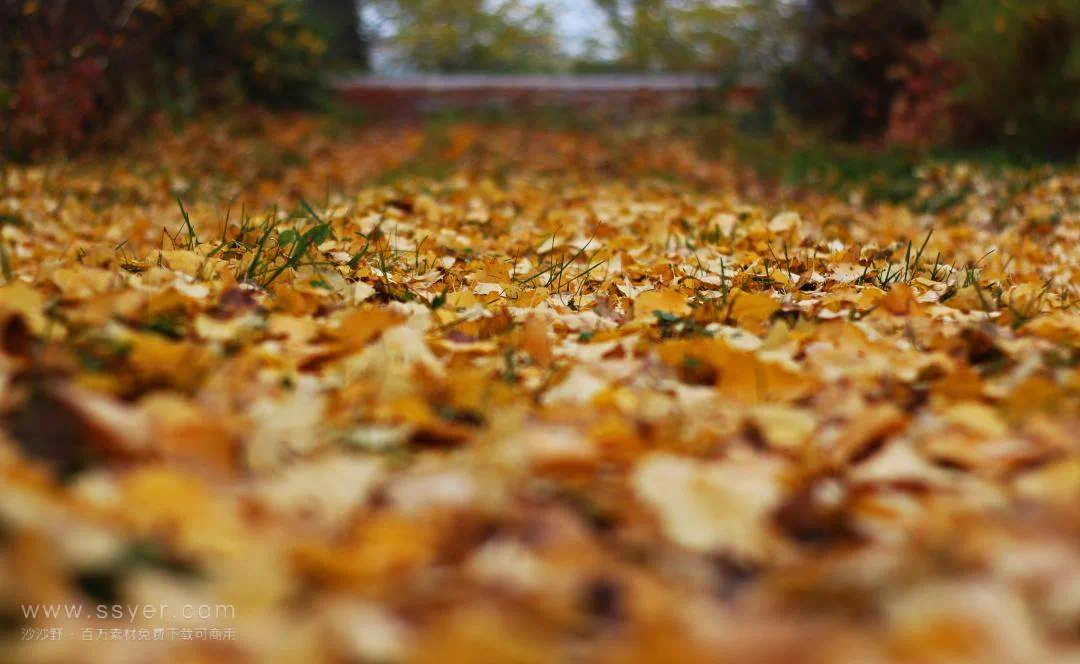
900, 300
535, 341
22, 299
976, 418
752, 310
362, 326
782, 427
82, 283
737, 374
167, 502
664, 300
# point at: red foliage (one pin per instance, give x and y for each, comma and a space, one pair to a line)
923, 112
60, 77
81, 74
59, 105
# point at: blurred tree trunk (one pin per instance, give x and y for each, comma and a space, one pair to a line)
348, 42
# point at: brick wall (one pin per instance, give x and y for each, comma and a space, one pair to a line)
614, 93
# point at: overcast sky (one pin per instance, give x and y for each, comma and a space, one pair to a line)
577, 21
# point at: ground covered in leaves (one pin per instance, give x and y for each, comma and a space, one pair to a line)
526, 395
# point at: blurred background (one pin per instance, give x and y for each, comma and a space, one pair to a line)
1001, 75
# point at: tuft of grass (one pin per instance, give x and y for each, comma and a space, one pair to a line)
673, 327
555, 276
905, 271
169, 326
1021, 317
192, 236
912, 264
276, 251
7, 261
7, 266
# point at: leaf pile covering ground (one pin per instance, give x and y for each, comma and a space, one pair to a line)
546, 407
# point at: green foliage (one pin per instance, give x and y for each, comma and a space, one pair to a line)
671, 35
472, 35
825, 165
88, 74
1021, 66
